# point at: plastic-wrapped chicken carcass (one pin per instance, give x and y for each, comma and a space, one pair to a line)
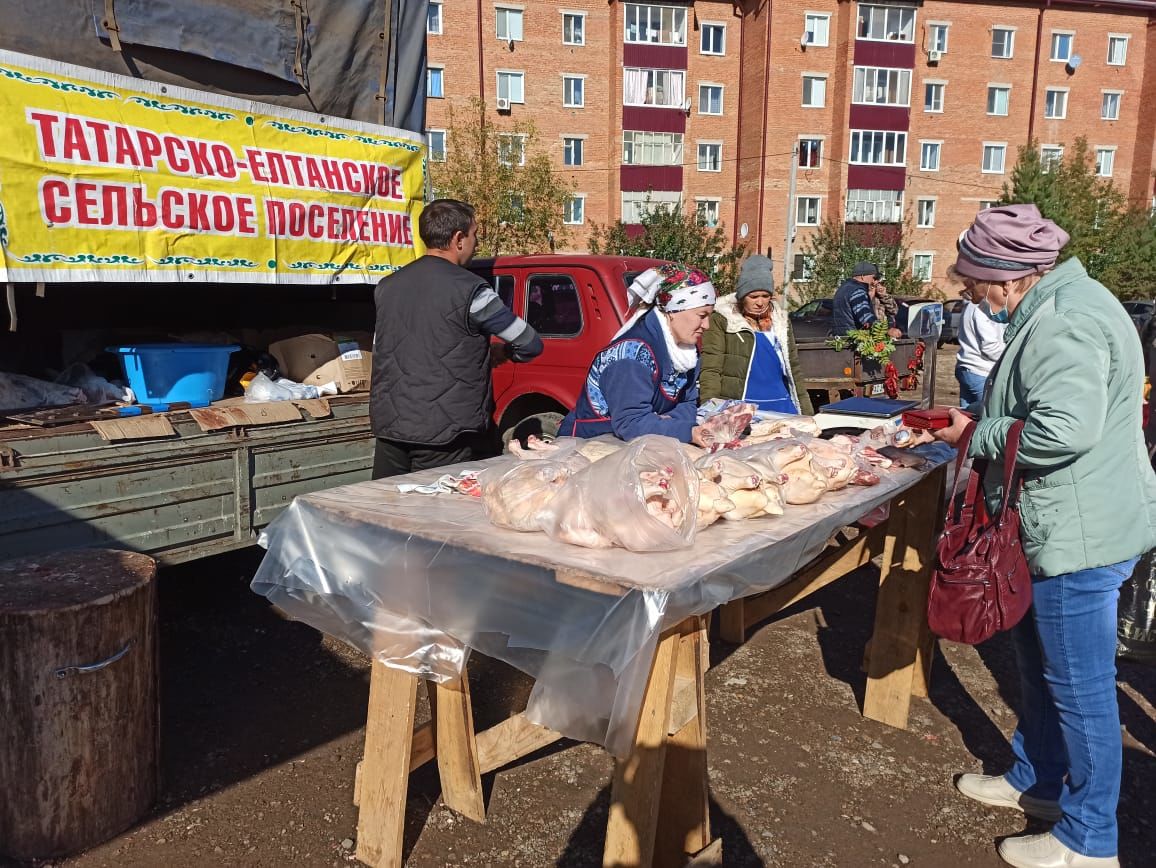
563, 449
514, 494
753, 492
644, 498
780, 426
790, 457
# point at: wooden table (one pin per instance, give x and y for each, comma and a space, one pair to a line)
659, 798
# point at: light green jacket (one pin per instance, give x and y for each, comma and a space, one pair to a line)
1073, 369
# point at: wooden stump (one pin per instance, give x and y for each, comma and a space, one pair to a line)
79, 748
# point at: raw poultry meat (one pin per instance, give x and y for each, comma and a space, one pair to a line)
723, 430
730, 473
804, 484
713, 503
755, 503
782, 428
514, 496
535, 449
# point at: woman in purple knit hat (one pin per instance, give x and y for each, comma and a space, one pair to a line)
1073, 371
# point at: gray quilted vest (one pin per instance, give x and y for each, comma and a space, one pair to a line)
431, 369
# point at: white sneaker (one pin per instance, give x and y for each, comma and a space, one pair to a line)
1044, 851
995, 791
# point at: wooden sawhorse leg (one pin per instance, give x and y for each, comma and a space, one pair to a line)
902, 647
661, 788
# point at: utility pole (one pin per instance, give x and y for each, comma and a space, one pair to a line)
788, 255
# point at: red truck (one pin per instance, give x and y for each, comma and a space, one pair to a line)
576, 303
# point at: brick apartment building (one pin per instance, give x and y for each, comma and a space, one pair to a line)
877, 113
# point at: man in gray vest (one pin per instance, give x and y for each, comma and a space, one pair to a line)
431, 398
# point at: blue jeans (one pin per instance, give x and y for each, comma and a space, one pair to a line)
971, 385
1069, 721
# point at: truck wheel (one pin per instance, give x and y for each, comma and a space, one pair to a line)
543, 425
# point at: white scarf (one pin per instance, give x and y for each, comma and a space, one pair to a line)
682, 357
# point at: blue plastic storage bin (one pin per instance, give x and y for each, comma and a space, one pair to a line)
164, 373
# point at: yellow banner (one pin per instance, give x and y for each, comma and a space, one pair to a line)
105, 178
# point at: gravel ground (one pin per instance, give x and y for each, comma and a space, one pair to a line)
263, 725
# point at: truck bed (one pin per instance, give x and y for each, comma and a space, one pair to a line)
176, 499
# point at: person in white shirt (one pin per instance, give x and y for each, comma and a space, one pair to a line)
980, 346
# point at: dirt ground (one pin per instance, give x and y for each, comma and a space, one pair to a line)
263, 724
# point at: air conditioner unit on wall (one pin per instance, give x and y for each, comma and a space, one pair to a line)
934, 56
503, 104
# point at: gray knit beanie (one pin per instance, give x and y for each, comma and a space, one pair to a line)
756, 274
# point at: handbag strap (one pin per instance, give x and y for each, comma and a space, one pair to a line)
1011, 479
955, 505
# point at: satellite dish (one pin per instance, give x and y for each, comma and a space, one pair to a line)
1074, 62
744, 231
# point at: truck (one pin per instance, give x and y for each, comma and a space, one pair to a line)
336, 73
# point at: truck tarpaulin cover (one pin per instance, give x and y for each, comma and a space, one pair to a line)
104, 177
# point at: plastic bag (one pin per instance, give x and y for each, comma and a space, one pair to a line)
574, 452
1136, 627
723, 430
97, 390
643, 498
514, 494
18, 392
781, 426
261, 389
805, 484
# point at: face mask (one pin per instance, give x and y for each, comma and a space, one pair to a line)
1000, 317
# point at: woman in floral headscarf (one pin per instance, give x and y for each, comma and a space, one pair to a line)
646, 381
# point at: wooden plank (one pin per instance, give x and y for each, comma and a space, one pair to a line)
587, 582
709, 857
512, 739
684, 810
829, 567
457, 751
732, 622
901, 605
422, 748
635, 793
357, 783
385, 769
684, 703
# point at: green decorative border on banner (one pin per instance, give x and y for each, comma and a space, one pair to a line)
331, 134
189, 111
310, 265
236, 262
3, 227
78, 259
55, 84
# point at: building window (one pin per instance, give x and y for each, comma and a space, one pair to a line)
814, 91
937, 37
635, 205
433, 18
817, 27
1050, 157
929, 156
807, 210
1105, 161
572, 147
573, 91
998, 99
713, 39
573, 28
710, 99
993, 158
804, 268
434, 82
707, 211
1062, 46
660, 25
921, 264
886, 23
1117, 50
574, 212
512, 149
512, 86
874, 206
710, 156
509, 24
663, 88
879, 86
1110, 105
651, 149
810, 153
1056, 103
878, 148
924, 213
933, 96
436, 140
1003, 42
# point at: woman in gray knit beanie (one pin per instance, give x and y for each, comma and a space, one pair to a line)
1073, 372
749, 351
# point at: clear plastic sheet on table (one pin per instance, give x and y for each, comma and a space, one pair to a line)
417, 581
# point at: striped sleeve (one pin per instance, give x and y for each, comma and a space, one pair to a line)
490, 316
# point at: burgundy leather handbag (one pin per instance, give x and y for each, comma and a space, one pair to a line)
980, 584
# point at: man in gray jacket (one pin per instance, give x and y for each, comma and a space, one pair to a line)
431, 398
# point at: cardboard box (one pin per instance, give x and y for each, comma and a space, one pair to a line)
319, 359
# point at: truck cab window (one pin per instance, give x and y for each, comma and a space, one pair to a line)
553, 307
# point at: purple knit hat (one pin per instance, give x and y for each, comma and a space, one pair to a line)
1007, 242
